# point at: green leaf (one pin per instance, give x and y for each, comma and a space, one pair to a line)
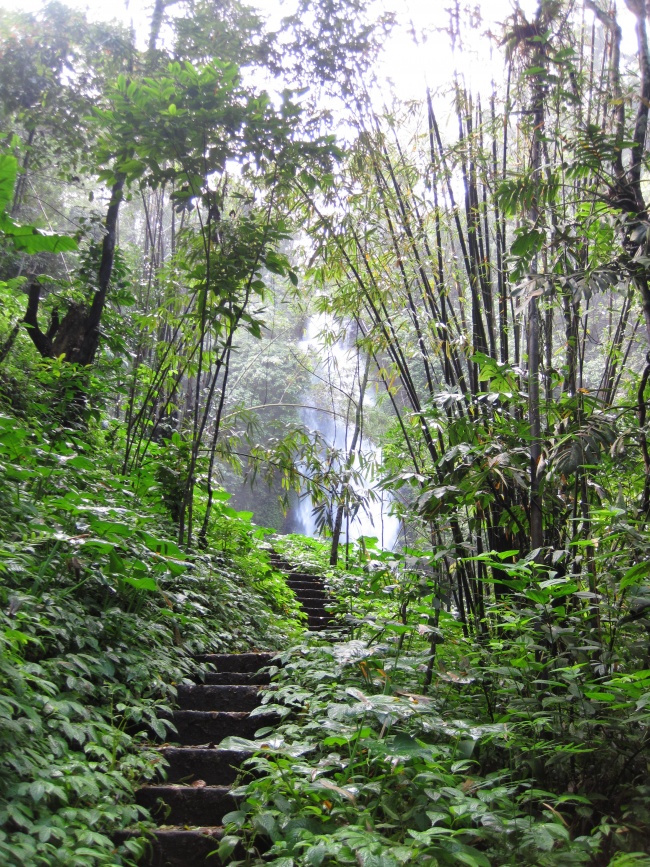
158, 727
8, 174
79, 462
635, 574
148, 584
236, 817
229, 512
165, 547
527, 243
107, 529
28, 239
466, 748
594, 695
37, 791
227, 846
316, 855
15, 636
221, 496
116, 564
471, 859
266, 822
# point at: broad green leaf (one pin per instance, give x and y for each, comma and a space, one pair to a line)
28, 239
236, 817
466, 748
79, 462
221, 496
37, 791
635, 574
116, 564
527, 243
316, 855
8, 174
112, 528
146, 583
165, 547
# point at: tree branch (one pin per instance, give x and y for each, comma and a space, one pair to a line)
42, 342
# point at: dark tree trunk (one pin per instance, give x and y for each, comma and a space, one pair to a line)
76, 336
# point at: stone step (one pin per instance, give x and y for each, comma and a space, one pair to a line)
323, 599
247, 662
187, 805
300, 588
315, 606
278, 562
317, 616
297, 578
216, 767
196, 727
260, 678
178, 846
218, 697
191, 804
303, 576
319, 620
184, 847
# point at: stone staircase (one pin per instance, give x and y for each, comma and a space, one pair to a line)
310, 592
190, 805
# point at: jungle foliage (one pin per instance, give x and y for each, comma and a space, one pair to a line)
167, 226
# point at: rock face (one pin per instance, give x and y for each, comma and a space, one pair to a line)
196, 794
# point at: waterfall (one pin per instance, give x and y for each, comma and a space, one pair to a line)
335, 365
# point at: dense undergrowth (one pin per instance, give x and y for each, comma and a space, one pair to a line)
411, 740
524, 749
100, 613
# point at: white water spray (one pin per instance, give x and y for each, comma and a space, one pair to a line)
337, 366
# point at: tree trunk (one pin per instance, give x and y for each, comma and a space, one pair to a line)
540, 60
76, 336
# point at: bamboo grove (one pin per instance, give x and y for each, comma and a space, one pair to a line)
499, 282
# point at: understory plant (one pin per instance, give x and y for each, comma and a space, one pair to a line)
100, 617
407, 740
